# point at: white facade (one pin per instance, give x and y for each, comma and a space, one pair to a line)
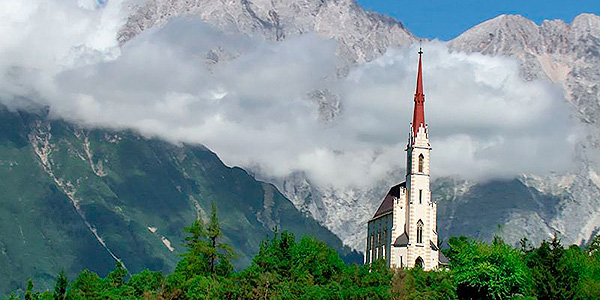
404, 228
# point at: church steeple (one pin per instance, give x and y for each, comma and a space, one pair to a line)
403, 231
419, 113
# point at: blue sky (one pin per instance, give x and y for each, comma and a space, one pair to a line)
444, 19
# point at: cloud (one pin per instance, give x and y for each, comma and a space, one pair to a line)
485, 121
39, 39
249, 100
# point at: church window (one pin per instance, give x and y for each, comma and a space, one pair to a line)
419, 262
401, 263
420, 196
420, 232
421, 159
373, 241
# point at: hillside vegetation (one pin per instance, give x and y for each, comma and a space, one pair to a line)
73, 198
286, 268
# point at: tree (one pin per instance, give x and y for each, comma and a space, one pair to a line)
86, 286
147, 282
116, 278
219, 254
487, 271
416, 284
206, 254
593, 249
29, 294
545, 265
194, 260
60, 288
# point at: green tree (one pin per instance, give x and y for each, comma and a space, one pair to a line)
206, 253
88, 285
547, 265
487, 271
219, 254
147, 283
593, 249
60, 288
29, 294
116, 278
416, 284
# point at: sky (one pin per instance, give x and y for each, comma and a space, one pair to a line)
445, 19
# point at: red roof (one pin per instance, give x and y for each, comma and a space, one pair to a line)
419, 113
388, 202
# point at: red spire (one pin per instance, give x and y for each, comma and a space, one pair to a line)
419, 114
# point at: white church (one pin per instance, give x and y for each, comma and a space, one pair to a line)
403, 231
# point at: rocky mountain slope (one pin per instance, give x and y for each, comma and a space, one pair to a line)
533, 206
569, 55
74, 199
361, 35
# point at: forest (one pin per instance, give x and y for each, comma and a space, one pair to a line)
290, 268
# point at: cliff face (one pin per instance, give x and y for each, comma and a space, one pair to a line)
361, 35
569, 55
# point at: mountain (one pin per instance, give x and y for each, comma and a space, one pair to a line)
78, 198
361, 35
529, 205
569, 55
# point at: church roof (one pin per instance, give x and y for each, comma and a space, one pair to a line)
388, 202
434, 247
419, 113
443, 259
402, 240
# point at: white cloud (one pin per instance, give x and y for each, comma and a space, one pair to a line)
253, 109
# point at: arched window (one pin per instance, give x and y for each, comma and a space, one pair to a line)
420, 232
419, 262
421, 159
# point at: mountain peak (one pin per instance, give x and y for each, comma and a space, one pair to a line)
587, 24
517, 35
361, 35
504, 33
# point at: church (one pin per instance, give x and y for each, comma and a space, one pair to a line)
403, 230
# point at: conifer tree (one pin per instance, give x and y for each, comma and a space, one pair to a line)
218, 252
60, 289
29, 294
206, 253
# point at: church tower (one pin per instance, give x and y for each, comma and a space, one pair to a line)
403, 231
